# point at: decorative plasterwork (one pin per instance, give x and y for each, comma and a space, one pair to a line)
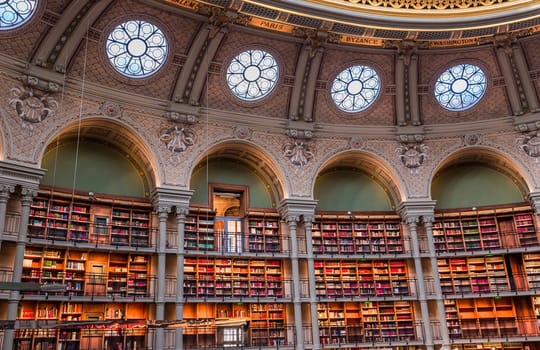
300, 134
530, 144
298, 152
177, 138
242, 132
32, 106
412, 155
424, 4
181, 117
111, 109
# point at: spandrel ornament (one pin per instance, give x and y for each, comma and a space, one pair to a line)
32, 107
530, 144
412, 156
177, 138
298, 152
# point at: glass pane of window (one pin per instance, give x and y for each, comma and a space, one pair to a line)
137, 49
460, 87
355, 88
14, 13
252, 75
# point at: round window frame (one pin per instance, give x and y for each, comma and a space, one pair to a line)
230, 57
25, 26
107, 30
449, 65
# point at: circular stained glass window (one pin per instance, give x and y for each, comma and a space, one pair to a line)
137, 49
252, 75
13, 13
356, 88
460, 87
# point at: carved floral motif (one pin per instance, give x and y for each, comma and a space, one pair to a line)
31, 107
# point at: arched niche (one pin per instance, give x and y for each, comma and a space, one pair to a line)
100, 157
238, 164
355, 182
477, 178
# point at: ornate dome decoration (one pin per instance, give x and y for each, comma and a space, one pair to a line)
355, 88
460, 87
378, 23
14, 13
252, 75
420, 4
137, 49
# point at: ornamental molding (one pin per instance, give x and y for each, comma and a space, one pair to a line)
412, 155
111, 109
177, 138
242, 132
32, 106
300, 134
184, 118
427, 4
530, 144
298, 152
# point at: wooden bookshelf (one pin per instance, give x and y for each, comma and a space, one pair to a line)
484, 230
531, 262
59, 220
84, 221
227, 277
350, 278
348, 235
130, 227
199, 230
122, 275
476, 275
69, 311
481, 318
369, 321
264, 234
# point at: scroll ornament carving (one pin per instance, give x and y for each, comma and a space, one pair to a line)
32, 107
412, 156
177, 138
530, 144
298, 152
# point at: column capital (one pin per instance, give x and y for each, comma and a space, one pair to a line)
534, 199
416, 209
297, 207
181, 212
163, 210
169, 196
291, 219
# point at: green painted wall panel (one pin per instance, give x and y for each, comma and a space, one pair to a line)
232, 173
99, 169
473, 186
346, 190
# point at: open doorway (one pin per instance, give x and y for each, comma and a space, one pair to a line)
229, 202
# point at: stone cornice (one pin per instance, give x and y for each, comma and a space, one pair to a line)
25, 175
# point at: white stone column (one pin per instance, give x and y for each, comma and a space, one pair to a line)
180, 222
297, 304
308, 225
428, 224
5, 192
14, 296
412, 223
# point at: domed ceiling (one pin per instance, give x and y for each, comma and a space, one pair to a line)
431, 23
